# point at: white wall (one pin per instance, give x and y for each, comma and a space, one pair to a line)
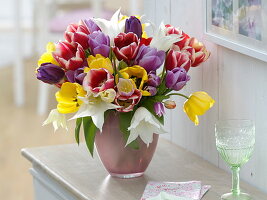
237, 82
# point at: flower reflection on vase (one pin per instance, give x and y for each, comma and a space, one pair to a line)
117, 81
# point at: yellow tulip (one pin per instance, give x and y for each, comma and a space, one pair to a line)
197, 104
138, 75
97, 62
47, 57
67, 97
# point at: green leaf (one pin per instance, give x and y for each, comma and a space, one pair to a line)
122, 65
149, 105
77, 129
89, 130
87, 53
125, 122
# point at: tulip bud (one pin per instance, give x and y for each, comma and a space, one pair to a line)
159, 109
133, 25
50, 73
169, 104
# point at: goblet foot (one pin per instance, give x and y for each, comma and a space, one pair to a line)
231, 196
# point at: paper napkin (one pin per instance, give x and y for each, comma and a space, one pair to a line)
192, 190
166, 196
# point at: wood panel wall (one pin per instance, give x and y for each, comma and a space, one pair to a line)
237, 82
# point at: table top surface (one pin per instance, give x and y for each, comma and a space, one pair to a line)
73, 168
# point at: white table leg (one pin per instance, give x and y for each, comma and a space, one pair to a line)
43, 88
19, 95
42, 98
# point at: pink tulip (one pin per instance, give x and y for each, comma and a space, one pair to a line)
69, 56
98, 80
77, 33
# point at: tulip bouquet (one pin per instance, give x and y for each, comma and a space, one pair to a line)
112, 65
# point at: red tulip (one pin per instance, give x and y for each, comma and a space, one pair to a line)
77, 33
69, 56
201, 53
126, 46
145, 41
177, 59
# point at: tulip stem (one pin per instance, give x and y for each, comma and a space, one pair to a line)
179, 94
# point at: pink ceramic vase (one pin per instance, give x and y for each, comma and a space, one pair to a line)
121, 161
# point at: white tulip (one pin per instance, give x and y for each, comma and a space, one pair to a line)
95, 107
111, 27
144, 124
164, 42
57, 119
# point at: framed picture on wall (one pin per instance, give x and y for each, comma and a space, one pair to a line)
240, 25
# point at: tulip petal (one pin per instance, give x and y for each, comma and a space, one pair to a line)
144, 120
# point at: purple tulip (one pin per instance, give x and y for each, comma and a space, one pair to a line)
153, 79
133, 25
149, 58
159, 109
91, 25
176, 79
76, 76
99, 43
152, 90
50, 73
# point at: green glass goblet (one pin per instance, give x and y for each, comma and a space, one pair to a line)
235, 141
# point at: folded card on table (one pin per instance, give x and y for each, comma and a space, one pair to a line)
192, 190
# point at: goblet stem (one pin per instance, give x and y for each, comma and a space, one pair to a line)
235, 180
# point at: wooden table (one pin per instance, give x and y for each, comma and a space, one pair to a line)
68, 172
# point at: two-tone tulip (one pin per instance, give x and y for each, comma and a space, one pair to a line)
173, 30
149, 58
50, 73
177, 59
126, 46
99, 43
127, 96
69, 56
98, 80
201, 52
77, 33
